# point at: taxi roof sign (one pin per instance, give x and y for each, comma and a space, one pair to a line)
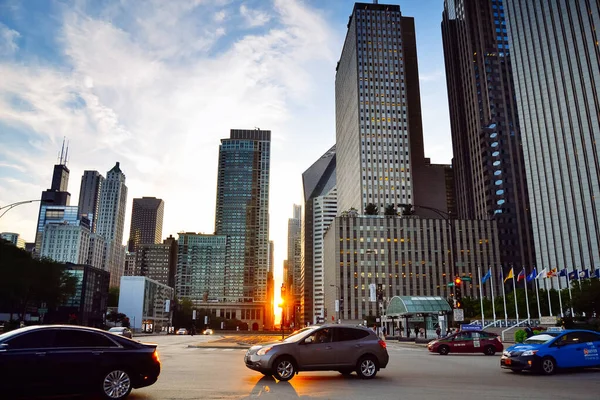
555, 329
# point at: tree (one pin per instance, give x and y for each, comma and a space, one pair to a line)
26, 282
182, 313
390, 210
407, 209
586, 297
116, 317
113, 297
371, 209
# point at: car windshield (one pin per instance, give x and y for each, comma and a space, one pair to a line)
115, 329
539, 339
299, 334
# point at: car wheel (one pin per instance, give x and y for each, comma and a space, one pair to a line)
367, 367
548, 366
489, 351
116, 384
284, 369
444, 350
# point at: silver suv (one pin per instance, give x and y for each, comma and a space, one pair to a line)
330, 347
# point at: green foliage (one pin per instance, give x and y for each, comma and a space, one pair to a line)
390, 210
586, 296
28, 282
520, 336
113, 297
407, 209
116, 317
371, 209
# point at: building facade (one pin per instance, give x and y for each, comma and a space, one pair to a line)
89, 196
14, 238
147, 303
242, 211
157, 261
296, 287
90, 302
320, 208
66, 243
146, 222
486, 139
377, 66
403, 256
557, 86
111, 222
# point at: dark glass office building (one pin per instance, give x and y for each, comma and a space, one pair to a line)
146, 222
242, 212
488, 165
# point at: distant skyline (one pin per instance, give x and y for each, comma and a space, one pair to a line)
156, 88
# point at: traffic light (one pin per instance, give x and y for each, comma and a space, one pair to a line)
458, 292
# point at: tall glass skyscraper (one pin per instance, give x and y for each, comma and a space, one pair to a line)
242, 212
486, 139
556, 53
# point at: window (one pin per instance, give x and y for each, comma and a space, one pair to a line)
77, 338
319, 336
32, 340
347, 334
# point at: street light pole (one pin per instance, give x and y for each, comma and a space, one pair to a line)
13, 205
337, 294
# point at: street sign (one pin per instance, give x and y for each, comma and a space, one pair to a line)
451, 284
337, 306
459, 314
470, 328
466, 278
193, 314
548, 320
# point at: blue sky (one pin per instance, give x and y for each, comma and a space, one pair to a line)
157, 84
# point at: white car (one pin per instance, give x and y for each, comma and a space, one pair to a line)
182, 331
208, 331
121, 331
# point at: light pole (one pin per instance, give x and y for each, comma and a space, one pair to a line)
13, 205
337, 299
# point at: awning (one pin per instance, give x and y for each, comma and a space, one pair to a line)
403, 306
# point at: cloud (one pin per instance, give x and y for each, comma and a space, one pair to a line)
220, 16
254, 18
8, 38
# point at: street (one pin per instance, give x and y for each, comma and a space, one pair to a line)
220, 373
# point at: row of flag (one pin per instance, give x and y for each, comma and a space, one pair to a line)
547, 273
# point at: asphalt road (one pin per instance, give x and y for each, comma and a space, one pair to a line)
413, 373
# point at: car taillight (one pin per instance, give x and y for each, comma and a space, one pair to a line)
498, 339
382, 343
155, 356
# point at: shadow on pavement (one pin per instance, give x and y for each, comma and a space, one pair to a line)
269, 388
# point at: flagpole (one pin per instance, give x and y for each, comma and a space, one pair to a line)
537, 296
562, 315
570, 295
548, 291
515, 295
493, 302
504, 297
481, 297
526, 295
579, 279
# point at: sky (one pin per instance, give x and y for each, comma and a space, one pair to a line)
157, 84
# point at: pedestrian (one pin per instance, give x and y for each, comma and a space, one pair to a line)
528, 331
448, 332
384, 331
416, 331
438, 331
374, 328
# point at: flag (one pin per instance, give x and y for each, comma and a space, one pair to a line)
551, 273
585, 274
542, 273
573, 274
532, 275
521, 275
510, 275
486, 276
563, 272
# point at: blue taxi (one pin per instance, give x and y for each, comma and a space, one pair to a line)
550, 351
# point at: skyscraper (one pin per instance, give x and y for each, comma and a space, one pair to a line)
111, 222
146, 222
294, 263
89, 196
377, 67
557, 74
242, 211
155, 261
320, 208
57, 195
486, 139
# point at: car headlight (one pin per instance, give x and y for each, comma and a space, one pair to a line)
529, 353
264, 350
506, 353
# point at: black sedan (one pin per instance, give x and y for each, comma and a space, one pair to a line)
60, 360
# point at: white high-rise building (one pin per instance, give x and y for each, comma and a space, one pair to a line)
372, 91
68, 243
111, 222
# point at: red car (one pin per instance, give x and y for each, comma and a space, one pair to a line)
467, 342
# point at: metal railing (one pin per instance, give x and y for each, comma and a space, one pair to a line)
526, 321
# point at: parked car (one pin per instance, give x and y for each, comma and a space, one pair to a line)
182, 331
208, 331
550, 351
122, 331
467, 342
337, 347
67, 360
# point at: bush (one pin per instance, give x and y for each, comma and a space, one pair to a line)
520, 336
